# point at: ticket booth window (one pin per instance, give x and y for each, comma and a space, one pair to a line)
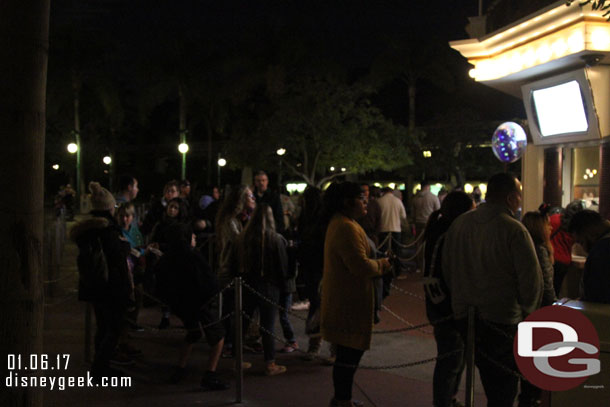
585, 175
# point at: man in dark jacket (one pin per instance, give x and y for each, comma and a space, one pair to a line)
104, 278
263, 194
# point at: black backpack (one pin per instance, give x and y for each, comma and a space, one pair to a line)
92, 270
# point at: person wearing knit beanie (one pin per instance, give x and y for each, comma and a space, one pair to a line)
101, 198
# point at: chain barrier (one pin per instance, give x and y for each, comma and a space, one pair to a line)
61, 278
506, 369
405, 259
180, 330
404, 321
403, 291
415, 327
406, 246
383, 367
290, 312
62, 301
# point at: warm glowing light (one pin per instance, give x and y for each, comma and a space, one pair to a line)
483, 188
55, 167
183, 148
281, 151
544, 53
427, 153
594, 171
343, 169
468, 188
72, 148
377, 184
222, 162
600, 39
559, 47
585, 177
332, 168
107, 160
298, 187
516, 63
576, 42
529, 58
392, 185
472, 73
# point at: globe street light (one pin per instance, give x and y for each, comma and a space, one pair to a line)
107, 160
55, 167
183, 148
280, 152
221, 163
72, 148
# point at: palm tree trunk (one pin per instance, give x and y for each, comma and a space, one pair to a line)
23, 63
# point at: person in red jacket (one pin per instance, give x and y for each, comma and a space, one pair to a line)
562, 242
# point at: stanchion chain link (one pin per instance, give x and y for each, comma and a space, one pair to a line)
384, 367
61, 278
406, 246
62, 301
272, 303
414, 327
397, 288
404, 321
500, 365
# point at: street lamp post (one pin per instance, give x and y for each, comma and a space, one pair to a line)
221, 163
280, 152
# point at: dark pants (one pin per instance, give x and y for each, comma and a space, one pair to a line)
312, 279
109, 318
559, 272
493, 355
267, 313
447, 371
391, 244
343, 372
286, 303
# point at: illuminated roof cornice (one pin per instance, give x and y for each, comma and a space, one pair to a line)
553, 38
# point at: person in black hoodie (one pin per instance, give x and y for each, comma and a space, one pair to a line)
104, 278
188, 285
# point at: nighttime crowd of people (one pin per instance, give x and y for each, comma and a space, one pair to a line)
338, 242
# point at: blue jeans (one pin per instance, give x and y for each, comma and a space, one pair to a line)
267, 313
286, 303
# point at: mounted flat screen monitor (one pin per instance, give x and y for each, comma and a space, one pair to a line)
560, 109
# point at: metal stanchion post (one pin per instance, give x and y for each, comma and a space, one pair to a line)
88, 357
238, 344
470, 357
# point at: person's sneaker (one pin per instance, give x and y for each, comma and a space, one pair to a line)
274, 369
121, 359
211, 382
254, 347
164, 324
290, 347
178, 375
300, 306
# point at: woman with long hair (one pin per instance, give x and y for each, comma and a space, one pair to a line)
447, 371
264, 262
347, 286
232, 216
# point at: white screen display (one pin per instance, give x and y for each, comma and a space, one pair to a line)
560, 109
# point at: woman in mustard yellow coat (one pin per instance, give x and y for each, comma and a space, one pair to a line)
347, 286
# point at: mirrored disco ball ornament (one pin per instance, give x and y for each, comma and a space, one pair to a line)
508, 142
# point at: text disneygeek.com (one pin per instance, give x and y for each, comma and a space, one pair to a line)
24, 371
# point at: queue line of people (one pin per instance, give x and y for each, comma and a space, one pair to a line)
249, 245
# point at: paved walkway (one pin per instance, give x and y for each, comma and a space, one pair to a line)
305, 383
